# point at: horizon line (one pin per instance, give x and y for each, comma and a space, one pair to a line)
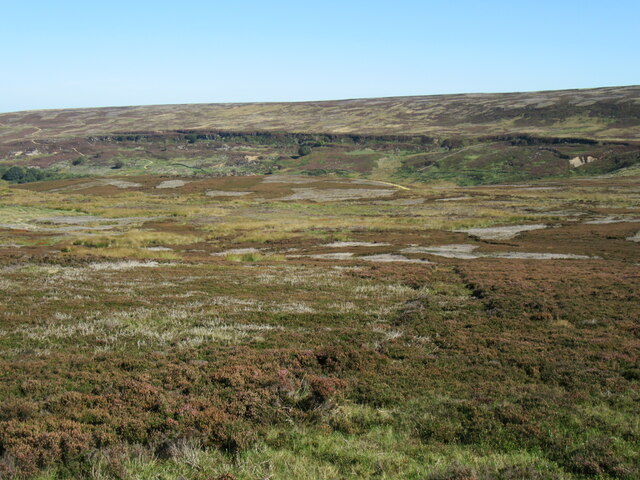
318, 101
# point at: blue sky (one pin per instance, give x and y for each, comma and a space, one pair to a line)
81, 54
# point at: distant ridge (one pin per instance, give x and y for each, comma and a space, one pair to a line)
611, 113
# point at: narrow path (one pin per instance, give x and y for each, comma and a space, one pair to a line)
38, 130
402, 187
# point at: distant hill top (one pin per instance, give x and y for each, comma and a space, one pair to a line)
611, 113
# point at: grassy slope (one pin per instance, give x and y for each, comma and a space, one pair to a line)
431, 138
604, 113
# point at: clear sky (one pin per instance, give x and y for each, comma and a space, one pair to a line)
57, 54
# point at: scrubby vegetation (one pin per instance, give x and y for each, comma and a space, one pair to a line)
469, 161
482, 139
166, 333
17, 174
377, 296
604, 113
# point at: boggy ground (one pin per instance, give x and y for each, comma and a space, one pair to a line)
319, 327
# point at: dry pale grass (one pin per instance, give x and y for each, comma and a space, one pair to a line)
137, 239
122, 252
379, 116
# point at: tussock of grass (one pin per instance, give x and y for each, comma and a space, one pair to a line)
254, 257
121, 252
267, 237
313, 453
20, 214
136, 239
